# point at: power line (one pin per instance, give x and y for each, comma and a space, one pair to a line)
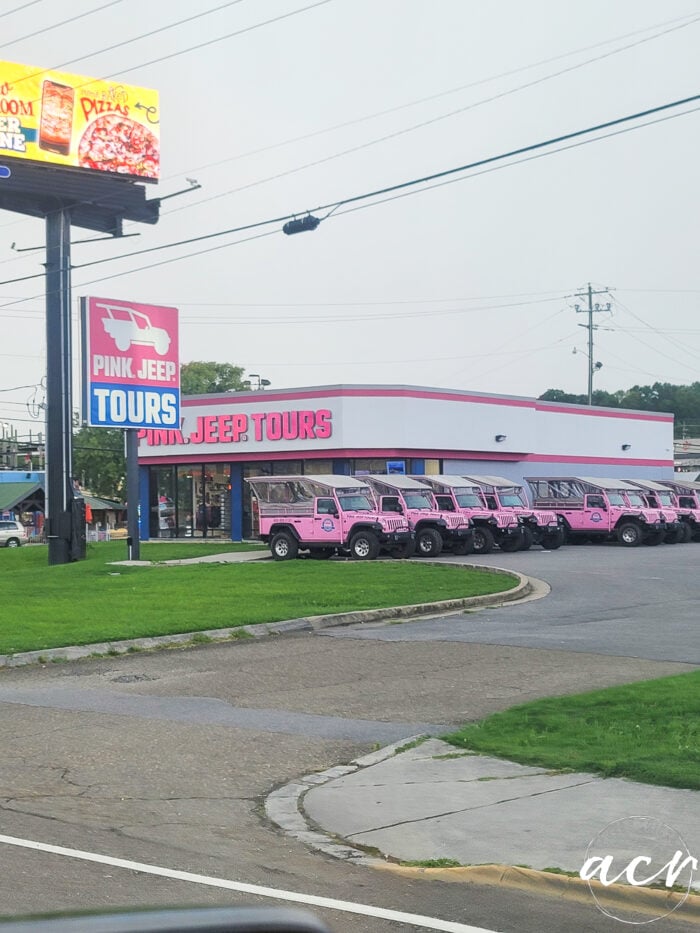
532, 158
428, 122
18, 9
655, 330
143, 35
360, 197
431, 97
64, 22
230, 35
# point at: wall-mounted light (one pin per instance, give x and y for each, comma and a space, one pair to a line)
499, 438
626, 446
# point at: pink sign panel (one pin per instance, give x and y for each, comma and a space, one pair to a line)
131, 364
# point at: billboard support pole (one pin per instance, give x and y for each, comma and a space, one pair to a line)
59, 404
132, 492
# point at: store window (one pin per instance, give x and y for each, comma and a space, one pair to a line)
318, 467
192, 501
369, 467
162, 514
214, 502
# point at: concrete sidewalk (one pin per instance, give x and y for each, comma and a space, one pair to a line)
431, 801
223, 557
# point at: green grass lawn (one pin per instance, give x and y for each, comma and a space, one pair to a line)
93, 600
647, 731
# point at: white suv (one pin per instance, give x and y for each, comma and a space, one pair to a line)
12, 533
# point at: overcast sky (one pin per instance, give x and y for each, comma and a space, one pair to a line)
470, 285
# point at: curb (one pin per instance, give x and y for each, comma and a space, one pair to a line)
284, 807
551, 884
523, 590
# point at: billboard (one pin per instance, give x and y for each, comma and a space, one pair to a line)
72, 120
131, 366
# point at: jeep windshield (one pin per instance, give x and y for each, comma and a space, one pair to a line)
665, 499
469, 500
636, 500
418, 500
355, 503
616, 498
510, 499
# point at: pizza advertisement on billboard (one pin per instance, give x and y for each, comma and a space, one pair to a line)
131, 364
86, 123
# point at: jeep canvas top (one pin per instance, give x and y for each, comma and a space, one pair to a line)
325, 515
434, 529
457, 494
593, 507
540, 526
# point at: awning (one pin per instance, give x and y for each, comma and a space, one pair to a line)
11, 494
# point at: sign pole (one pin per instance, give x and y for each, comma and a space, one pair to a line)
59, 406
132, 493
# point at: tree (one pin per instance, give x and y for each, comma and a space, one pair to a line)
200, 378
99, 463
683, 401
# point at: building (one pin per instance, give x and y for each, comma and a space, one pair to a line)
192, 481
22, 496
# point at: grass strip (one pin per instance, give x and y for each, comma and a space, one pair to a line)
93, 600
648, 732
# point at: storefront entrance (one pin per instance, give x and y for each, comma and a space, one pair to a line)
192, 501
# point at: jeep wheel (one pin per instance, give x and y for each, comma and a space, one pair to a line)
483, 540
528, 539
404, 551
284, 546
462, 547
364, 545
654, 538
687, 534
553, 540
512, 543
428, 542
629, 534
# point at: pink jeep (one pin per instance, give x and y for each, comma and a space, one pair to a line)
459, 495
656, 496
686, 495
595, 508
433, 528
538, 525
325, 515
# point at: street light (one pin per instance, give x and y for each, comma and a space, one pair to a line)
261, 383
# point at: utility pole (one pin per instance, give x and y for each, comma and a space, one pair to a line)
590, 311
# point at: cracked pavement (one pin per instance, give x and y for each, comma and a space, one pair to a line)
166, 758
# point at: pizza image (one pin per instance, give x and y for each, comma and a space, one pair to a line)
113, 143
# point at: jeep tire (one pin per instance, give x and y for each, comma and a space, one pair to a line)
284, 546
552, 540
629, 534
428, 542
364, 545
483, 540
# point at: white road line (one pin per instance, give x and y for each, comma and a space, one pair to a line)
311, 900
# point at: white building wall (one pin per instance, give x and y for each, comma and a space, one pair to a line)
540, 438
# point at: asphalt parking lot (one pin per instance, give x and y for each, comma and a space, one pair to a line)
165, 759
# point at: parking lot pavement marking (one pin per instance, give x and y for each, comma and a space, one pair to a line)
310, 900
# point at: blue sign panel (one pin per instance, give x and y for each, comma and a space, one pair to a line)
124, 406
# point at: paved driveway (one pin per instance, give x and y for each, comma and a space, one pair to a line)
628, 602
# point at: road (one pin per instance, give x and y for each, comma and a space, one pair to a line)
165, 759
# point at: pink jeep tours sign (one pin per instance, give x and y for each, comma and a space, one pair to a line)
131, 367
